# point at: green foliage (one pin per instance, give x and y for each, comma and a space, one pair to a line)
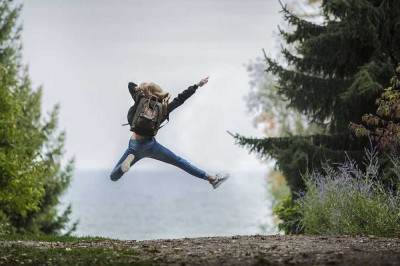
288, 211
4, 224
31, 177
345, 200
384, 127
332, 73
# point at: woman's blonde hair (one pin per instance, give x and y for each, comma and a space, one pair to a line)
151, 89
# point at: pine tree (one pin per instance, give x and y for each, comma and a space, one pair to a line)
31, 177
337, 70
272, 112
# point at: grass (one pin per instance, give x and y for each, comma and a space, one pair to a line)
52, 238
16, 254
13, 255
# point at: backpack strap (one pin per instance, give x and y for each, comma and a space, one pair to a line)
164, 124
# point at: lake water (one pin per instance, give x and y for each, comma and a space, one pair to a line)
167, 204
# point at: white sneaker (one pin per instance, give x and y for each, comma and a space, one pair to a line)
221, 178
126, 164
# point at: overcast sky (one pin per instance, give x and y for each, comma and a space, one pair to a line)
84, 53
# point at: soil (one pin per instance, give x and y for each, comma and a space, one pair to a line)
251, 250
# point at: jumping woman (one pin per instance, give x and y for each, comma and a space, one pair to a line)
150, 110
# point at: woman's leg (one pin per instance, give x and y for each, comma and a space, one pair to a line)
127, 158
163, 154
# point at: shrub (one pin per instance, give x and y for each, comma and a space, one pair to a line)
288, 212
345, 200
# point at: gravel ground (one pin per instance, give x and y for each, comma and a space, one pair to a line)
251, 250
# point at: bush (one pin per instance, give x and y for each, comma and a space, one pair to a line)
288, 211
346, 200
5, 227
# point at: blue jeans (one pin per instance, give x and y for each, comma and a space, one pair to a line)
150, 148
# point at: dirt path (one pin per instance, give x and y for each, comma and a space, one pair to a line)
252, 250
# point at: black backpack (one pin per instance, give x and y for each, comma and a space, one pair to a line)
147, 119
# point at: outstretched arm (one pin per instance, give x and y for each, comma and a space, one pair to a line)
183, 96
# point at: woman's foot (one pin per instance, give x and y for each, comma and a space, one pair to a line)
218, 179
126, 164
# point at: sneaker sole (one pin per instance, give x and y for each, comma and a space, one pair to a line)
126, 164
220, 183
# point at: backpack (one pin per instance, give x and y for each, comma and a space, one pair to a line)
147, 119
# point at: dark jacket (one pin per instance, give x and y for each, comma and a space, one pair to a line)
176, 102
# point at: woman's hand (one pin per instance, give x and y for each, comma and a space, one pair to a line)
202, 82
